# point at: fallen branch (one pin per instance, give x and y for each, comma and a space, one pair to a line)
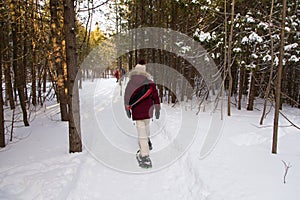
270, 126
289, 121
286, 166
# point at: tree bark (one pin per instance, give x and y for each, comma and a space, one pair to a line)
58, 58
272, 66
17, 65
251, 91
229, 60
32, 49
23, 36
9, 95
241, 86
225, 55
75, 144
2, 131
278, 82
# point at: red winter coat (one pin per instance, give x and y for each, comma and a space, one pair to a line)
117, 74
144, 108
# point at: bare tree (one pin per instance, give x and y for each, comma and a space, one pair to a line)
278, 81
241, 86
2, 132
75, 144
252, 90
225, 55
229, 59
56, 37
32, 22
272, 66
18, 67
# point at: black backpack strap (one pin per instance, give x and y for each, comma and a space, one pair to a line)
144, 92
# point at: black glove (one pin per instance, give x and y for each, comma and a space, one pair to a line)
157, 114
128, 113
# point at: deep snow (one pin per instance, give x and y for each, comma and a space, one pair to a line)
240, 167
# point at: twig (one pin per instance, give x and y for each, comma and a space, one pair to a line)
12, 125
286, 166
94, 7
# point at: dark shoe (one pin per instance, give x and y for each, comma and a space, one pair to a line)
150, 144
144, 161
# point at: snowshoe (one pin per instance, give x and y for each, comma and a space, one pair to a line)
144, 161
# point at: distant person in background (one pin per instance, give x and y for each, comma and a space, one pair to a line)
123, 70
141, 98
123, 74
117, 74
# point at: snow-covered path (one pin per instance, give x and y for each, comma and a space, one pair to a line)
39, 167
240, 167
112, 139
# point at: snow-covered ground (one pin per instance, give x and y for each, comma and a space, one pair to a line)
240, 167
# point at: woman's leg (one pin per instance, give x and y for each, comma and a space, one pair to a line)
143, 129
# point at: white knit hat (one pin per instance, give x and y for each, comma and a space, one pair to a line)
140, 67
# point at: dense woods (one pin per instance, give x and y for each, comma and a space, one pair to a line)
44, 42
38, 59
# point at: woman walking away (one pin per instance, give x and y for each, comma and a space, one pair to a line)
141, 99
117, 74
